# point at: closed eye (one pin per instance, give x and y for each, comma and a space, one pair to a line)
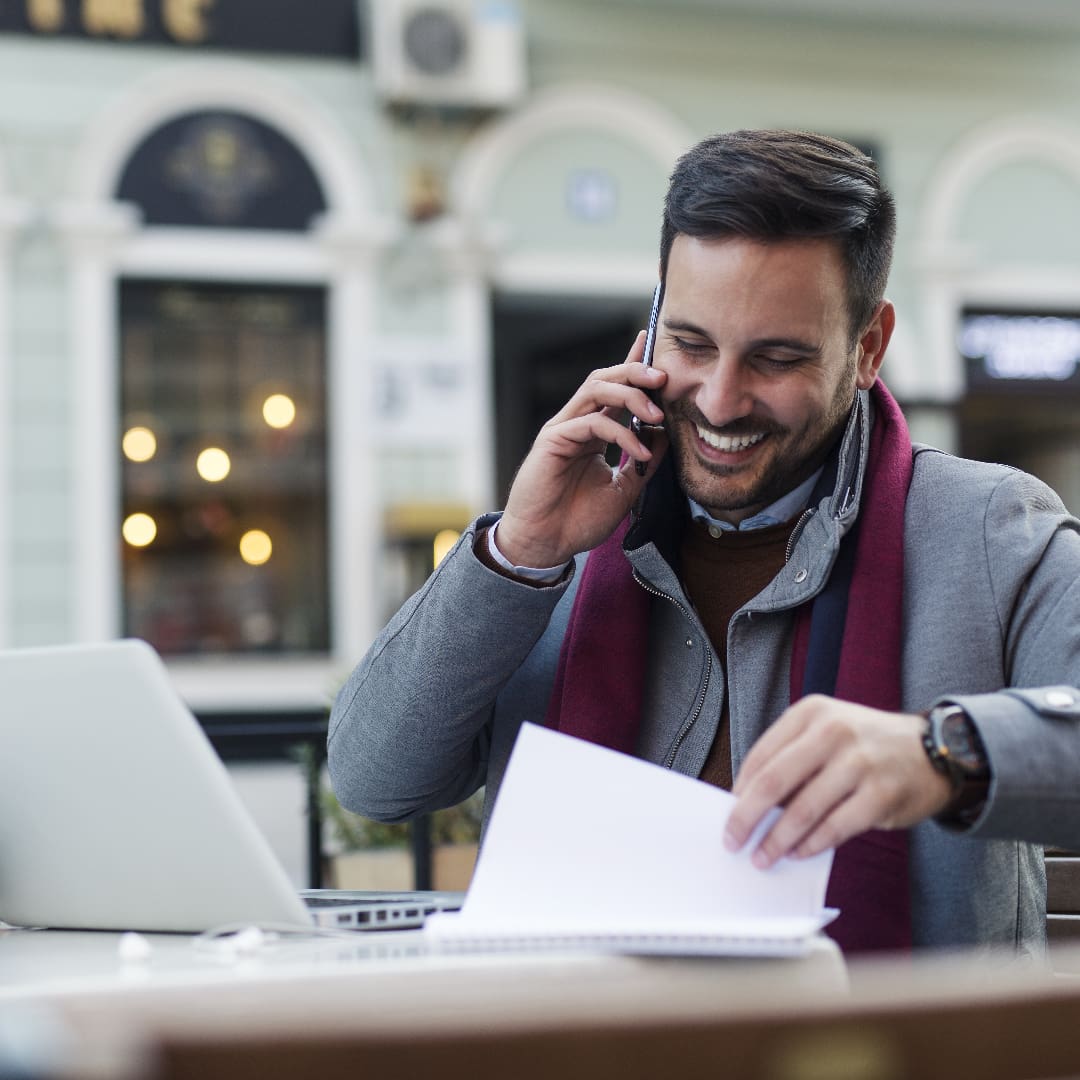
691, 346
782, 361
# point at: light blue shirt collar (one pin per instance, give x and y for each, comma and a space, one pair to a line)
784, 509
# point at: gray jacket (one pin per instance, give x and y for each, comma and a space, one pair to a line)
991, 621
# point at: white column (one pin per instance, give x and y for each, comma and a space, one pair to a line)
941, 372
468, 255
93, 235
352, 248
13, 217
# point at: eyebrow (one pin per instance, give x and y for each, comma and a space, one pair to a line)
793, 344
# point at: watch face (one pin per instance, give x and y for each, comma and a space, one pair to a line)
962, 742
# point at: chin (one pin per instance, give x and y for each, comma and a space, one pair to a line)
729, 500
704, 487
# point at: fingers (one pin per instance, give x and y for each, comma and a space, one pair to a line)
793, 723
814, 818
565, 497
637, 351
594, 415
781, 768
835, 770
594, 431
656, 441
850, 817
619, 388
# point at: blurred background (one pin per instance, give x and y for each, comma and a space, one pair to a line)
287, 286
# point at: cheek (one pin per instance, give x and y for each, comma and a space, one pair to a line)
784, 404
671, 391
678, 384
804, 403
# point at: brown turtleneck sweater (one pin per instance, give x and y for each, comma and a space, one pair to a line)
720, 574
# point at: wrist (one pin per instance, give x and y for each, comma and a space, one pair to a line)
955, 751
516, 549
534, 575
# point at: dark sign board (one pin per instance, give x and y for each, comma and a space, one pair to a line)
312, 27
1013, 350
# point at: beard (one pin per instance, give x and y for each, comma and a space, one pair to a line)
779, 463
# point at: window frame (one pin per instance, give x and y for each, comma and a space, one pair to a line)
105, 243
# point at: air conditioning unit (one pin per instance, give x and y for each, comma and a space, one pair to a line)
457, 53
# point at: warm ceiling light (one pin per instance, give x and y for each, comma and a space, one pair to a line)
279, 410
139, 530
213, 464
255, 547
139, 444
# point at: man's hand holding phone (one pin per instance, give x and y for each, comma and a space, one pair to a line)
565, 498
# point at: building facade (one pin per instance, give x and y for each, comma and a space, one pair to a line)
286, 288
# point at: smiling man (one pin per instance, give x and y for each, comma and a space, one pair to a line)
789, 599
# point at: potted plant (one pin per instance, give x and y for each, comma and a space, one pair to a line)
363, 854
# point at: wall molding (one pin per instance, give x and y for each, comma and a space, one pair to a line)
634, 118
630, 116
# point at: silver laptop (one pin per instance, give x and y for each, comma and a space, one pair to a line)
117, 814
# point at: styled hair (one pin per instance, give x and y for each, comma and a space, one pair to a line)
788, 185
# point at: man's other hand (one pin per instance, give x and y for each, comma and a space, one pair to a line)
835, 770
565, 498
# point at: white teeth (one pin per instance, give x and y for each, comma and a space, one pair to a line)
728, 443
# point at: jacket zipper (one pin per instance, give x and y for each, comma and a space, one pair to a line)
669, 761
806, 515
841, 470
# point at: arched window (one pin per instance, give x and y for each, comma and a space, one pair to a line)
223, 406
221, 169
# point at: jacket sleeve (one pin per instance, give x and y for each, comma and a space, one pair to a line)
1031, 729
411, 729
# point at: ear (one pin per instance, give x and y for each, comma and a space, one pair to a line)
873, 343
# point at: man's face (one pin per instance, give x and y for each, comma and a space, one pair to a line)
761, 372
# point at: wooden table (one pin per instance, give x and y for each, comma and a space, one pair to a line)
386, 1006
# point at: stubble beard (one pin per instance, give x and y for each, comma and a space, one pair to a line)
720, 489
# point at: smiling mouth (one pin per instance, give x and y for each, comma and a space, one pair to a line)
728, 444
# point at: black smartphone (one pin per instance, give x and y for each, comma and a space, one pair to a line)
636, 425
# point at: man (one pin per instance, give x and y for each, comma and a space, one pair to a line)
782, 594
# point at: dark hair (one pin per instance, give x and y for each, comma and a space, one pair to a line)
788, 185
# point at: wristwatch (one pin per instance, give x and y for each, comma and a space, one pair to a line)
955, 750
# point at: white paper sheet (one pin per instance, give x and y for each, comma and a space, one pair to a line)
586, 843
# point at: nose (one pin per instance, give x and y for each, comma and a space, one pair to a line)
724, 393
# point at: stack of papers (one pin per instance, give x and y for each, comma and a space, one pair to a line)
590, 848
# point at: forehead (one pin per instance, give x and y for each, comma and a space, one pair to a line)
793, 281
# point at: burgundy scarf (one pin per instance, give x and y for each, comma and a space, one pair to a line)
598, 699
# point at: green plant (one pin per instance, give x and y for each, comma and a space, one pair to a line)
344, 831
